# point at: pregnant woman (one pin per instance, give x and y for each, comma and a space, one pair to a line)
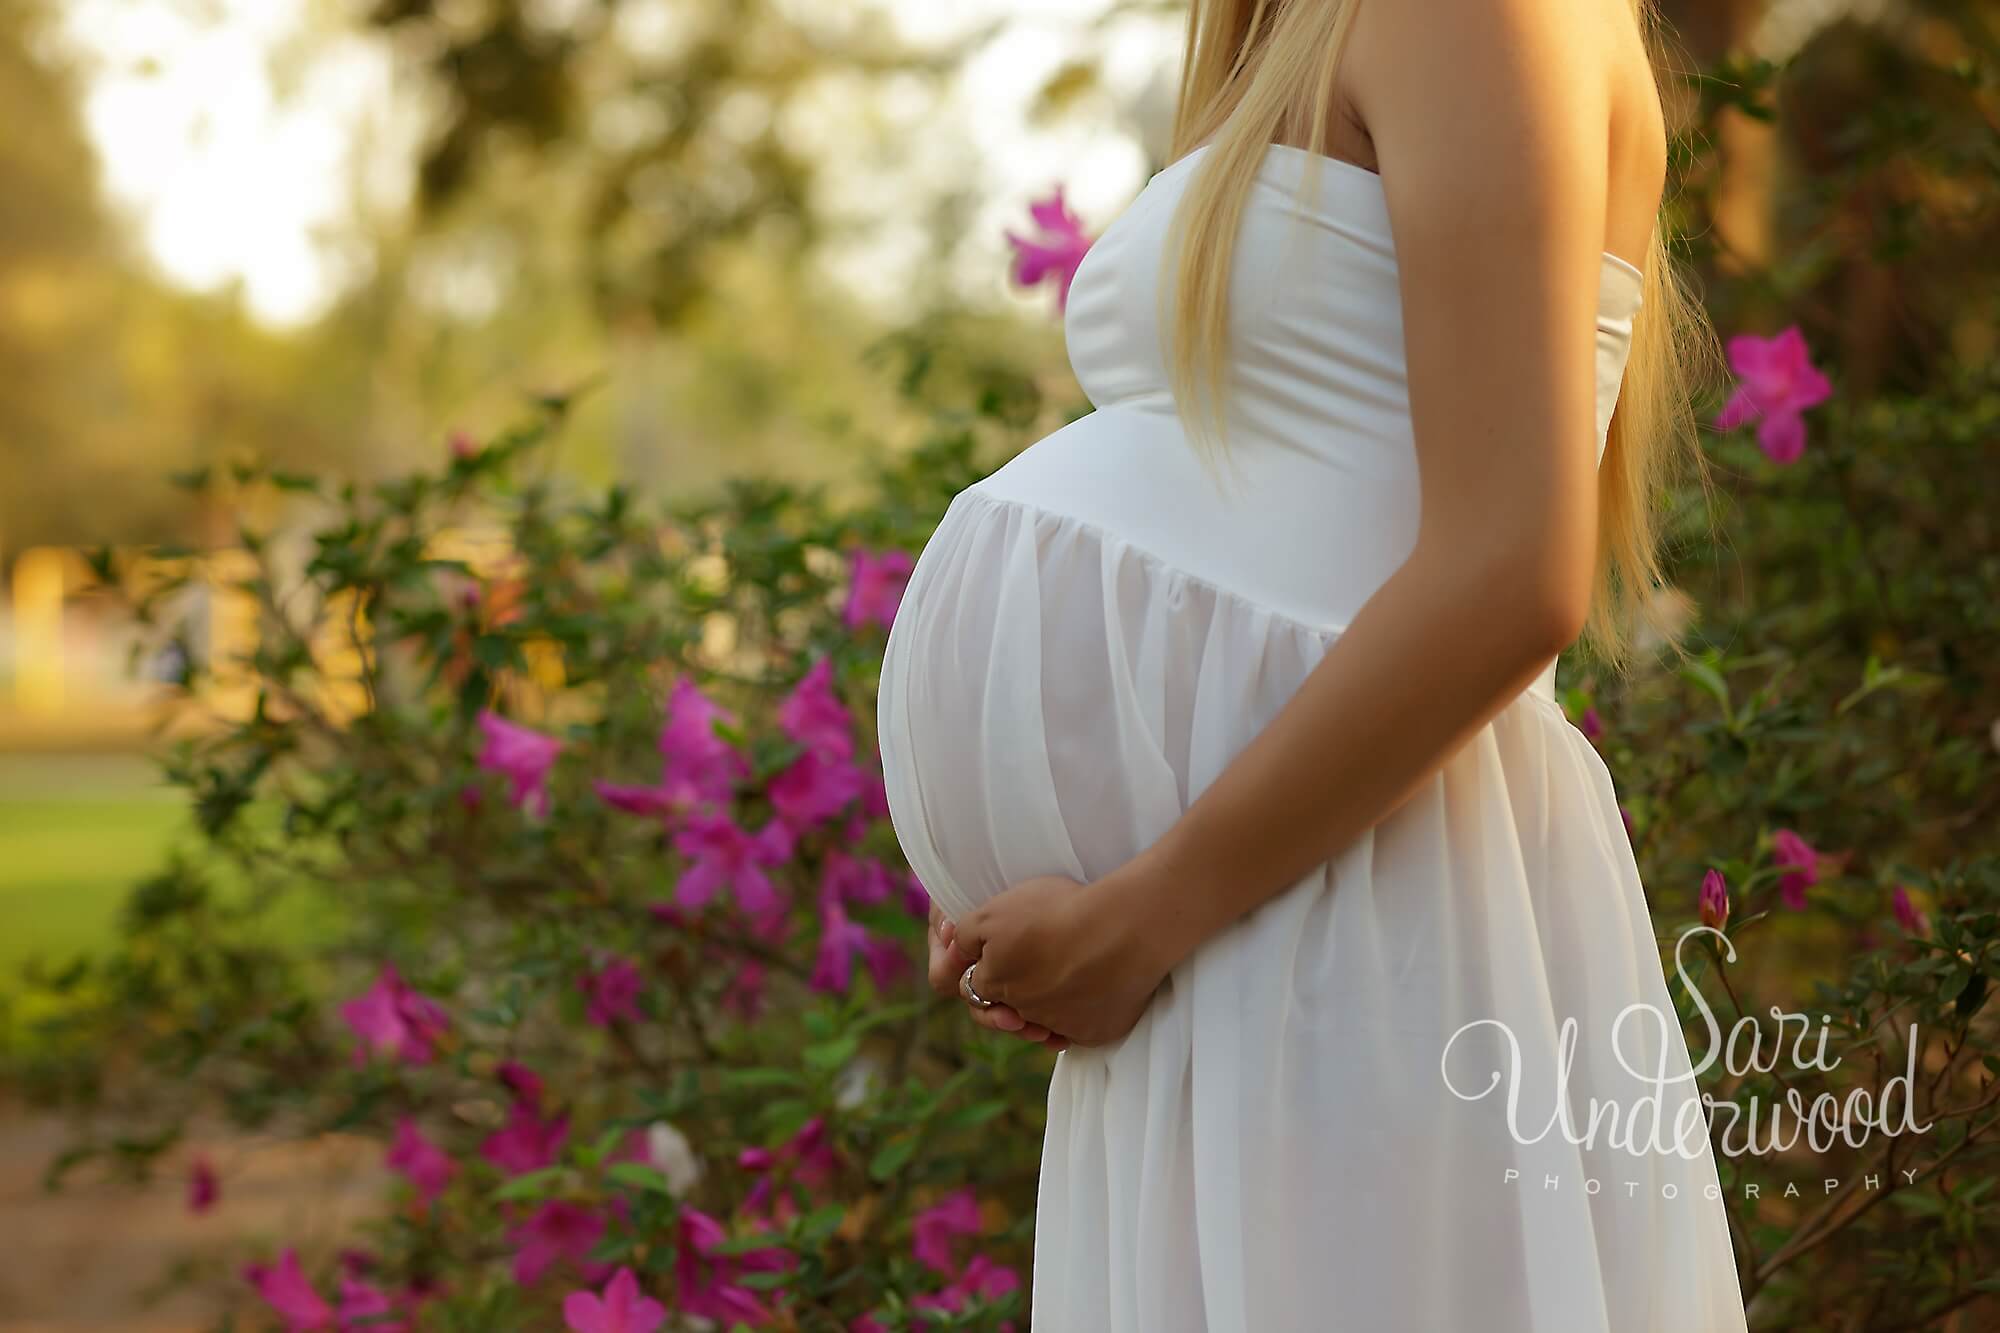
1221, 723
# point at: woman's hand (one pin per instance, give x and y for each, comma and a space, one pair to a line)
1073, 958
947, 965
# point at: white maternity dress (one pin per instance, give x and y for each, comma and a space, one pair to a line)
1293, 1138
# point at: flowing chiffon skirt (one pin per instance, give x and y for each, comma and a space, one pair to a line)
1310, 1127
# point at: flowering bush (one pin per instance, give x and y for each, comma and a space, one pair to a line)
625, 975
626, 979
623, 971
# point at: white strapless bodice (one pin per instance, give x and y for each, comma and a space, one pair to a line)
1319, 430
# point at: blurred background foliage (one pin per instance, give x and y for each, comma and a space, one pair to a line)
765, 236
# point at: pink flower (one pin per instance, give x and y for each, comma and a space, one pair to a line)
696, 759
655, 802
393, 1020
527, 1142
523, 1082
744, 996
840, 940
1789, 849
284, 1288
614, 992
982, 1278
698, 767
427, 1167
523, 757
812, 1160
875, 587
203, 1188
1907, 916
874, 798
622, 1309
1592, 725
867, 1323
957, 1214
1779, 383
1714, 901
916, 898
857, 881
885, 959
1055, 252
823, 780
815, 787
363, 1308
706, 1279
813, 715
722, 852
463, 445
556, 1231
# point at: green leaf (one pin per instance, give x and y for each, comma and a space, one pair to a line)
747, 1080
1710, 680
606, 1144
893, 1157
970, 1117
828, 1056
639, 1176
533, 1185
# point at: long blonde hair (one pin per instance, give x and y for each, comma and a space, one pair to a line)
1245, 65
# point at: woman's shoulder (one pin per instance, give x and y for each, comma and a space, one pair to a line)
1484, 103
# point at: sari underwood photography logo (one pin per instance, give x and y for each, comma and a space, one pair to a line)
1668, 1112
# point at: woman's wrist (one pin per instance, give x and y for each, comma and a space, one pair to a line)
1157, 907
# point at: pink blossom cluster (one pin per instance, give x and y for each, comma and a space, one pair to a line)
393, 1020
822, 789
821, 799
359, 1306
1801, 866
807, 1160
935, 1234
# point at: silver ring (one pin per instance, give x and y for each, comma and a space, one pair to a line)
965, 988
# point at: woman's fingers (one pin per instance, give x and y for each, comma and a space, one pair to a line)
1000, 1018
969, 936
946, 965
948, 961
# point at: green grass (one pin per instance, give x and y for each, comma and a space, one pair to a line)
75, 835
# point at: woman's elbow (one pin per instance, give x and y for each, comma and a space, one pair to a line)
1528, 582
1552, 563
1555, 610
1535, 595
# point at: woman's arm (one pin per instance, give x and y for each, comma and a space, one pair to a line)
1491, 119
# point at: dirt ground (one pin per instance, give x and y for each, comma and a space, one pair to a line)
94, 1258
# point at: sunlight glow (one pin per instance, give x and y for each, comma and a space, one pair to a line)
245, 137
231, 177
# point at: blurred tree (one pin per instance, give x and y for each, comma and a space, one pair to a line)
52, 239
113, 378
677, 115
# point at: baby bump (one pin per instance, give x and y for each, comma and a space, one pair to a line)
1023, 706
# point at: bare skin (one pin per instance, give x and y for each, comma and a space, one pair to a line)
1506, 129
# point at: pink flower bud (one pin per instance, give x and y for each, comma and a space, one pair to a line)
1714, 903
